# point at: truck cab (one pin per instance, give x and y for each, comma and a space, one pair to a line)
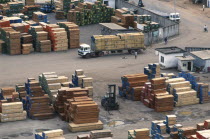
84, 50
174, 17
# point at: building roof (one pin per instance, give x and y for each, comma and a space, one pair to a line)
202, 54
170, 50
185, 58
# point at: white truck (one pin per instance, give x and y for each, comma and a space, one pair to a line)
105, 44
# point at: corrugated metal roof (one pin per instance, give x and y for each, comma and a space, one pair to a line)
202, 54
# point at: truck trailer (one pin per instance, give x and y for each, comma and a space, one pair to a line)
106, 44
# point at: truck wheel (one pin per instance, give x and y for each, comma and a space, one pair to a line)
101, 54
138, 51
87, 56
129, 51
133, 51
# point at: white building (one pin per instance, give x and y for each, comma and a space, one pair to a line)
185, 63
202, 60
167, 56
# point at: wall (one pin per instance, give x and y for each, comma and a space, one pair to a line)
207, 64
182, 68
168, 28
170, 60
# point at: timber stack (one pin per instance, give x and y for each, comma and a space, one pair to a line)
37, 102
12, 111
84, 114
61, 103
132, 85
51, 134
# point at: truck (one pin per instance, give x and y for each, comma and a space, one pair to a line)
106, 44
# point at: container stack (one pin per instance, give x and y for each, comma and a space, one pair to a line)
40, 37
61, 104
12, 112
39, 17
139, 134
84, 115
51, 134
132, 86
152, 71
123, 17
73, 33
89, 13
12, 39
37, 102
51, 83
58, 37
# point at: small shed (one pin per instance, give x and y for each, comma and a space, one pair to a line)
167, 56
202, 60
185, 63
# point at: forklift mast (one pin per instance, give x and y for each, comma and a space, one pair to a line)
112, 91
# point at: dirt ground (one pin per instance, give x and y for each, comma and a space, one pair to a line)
105, 70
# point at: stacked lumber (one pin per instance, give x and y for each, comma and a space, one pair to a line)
30, 2
20, 27
179, 84
12, 112
205, 134
12, 8
169, 75
58, 37
163, 102
27, 43
2, 44
90, 13
77, 77
204, 93
61, 104
73, 33
145, 24
51, 83
186, 132
40, 39
9, 94
37, 102
4, 23
39, 17
118, 42
139, 134
132, 85
59, 15
12, 39
87, 83
30, 9
123, 17
51, 134
21, 91
100, 134
152, 71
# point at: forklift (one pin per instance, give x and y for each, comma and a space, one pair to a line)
109, 101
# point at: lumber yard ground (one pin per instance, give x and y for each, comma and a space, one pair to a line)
104, 70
